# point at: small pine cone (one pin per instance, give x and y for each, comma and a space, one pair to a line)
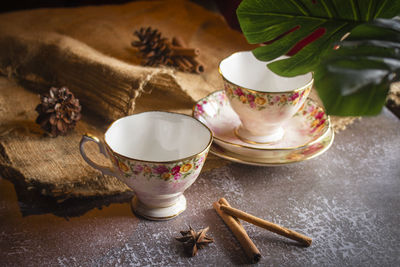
58, 111
154, 49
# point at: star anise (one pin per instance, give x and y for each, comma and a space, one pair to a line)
192, 240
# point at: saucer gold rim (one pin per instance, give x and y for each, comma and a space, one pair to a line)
248, 160
311, 142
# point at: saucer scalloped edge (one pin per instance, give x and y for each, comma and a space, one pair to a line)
308, 134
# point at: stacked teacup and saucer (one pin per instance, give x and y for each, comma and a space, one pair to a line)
261, 118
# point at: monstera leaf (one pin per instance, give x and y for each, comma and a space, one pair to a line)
305, 28
352, 76
355, 79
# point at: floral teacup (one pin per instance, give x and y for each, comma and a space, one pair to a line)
158, 155
263, 100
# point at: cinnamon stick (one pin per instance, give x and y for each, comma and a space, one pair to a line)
197, 65
237, 229
186, 63
178, 41
182, 65
184, 51
267, 225
223, 201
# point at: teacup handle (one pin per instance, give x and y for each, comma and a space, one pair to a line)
87, 138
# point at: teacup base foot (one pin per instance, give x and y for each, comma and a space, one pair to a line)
158, 214
250, 138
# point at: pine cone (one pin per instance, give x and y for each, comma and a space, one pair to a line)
58, 111
154, 49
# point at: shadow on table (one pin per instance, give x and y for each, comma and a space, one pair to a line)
32, 202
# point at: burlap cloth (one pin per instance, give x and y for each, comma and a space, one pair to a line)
88, 50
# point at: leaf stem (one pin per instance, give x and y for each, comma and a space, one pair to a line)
327, 9
354, 9
368, 10
293, 16
380, 9
294, 2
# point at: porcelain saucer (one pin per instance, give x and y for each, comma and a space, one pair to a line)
307, 134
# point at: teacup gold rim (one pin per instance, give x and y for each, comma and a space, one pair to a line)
258, 163
308, 84
161, 162
267, 149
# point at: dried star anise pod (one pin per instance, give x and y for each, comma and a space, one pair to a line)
192, 240
154, 49
58, 111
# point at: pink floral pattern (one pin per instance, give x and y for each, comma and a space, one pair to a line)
260, 100
315, 115
165, 171
201, 106
307, 152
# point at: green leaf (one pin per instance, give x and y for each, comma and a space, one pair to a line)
354, 80
272, 21
308, 58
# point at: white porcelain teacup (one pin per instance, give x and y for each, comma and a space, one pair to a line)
158, 155
263, 100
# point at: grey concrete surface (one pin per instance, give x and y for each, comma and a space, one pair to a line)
347, 200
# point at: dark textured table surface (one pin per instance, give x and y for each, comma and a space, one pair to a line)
347, 200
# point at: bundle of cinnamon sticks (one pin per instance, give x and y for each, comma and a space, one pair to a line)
185, 58
156, 50
231, 217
